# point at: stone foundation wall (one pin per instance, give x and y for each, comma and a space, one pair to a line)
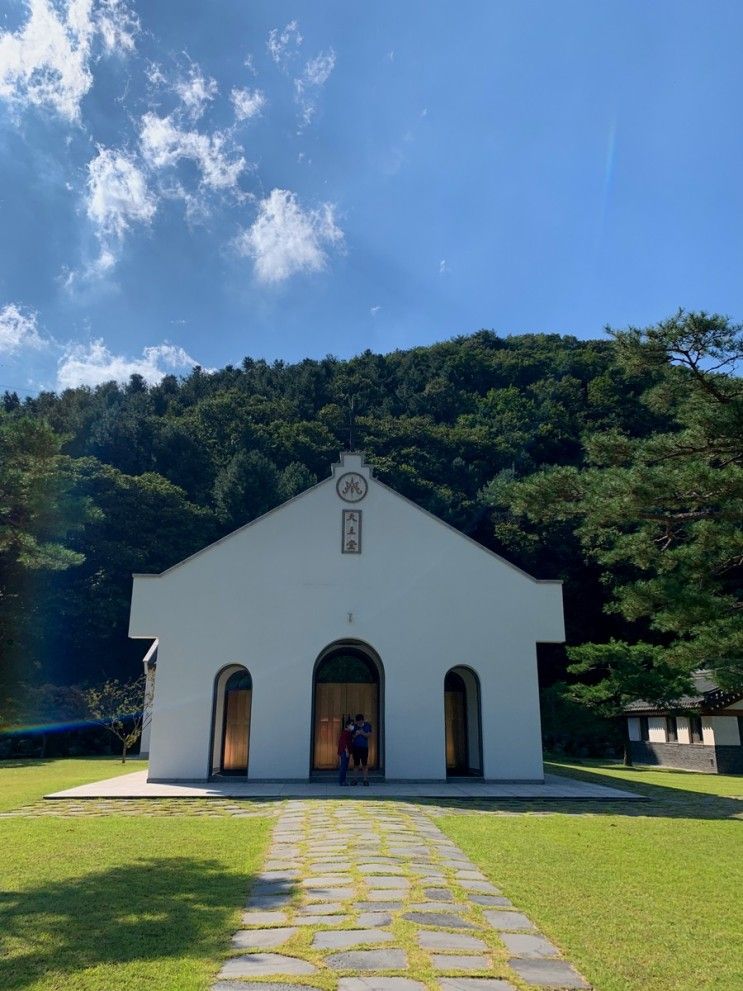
688, 756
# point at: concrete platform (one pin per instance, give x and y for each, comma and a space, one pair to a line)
135, 785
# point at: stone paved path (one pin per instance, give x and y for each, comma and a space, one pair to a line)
364, 896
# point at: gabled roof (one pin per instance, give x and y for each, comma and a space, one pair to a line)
344, 455
708, 697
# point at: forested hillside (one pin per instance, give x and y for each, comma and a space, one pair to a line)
99, 483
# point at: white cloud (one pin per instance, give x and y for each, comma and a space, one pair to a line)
307, 87
92, 364
317, 71
117, 24
443, 267
19, 330
196, 91
118, 197
154, 74
374, 310
285, 239
117, 193
164, 143
46, 62
284, 45
247, 103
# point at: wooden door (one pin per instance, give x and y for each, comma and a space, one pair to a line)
333, 701
236, 730
456, 731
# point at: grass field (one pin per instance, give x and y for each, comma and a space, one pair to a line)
24, 781
641, 898
92, 904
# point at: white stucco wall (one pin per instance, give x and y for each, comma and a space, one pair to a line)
657, 729
274, 594
682, 726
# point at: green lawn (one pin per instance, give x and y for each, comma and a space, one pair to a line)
92, 904
649, 779
24, 781
643, 897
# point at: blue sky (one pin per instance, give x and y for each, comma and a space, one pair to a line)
187, 181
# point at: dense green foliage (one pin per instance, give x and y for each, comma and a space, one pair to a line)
156, 473
662, 514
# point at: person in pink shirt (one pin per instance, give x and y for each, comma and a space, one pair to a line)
345, 741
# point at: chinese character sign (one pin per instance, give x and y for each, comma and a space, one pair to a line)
351, 531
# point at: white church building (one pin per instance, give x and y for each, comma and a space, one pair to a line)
348, 598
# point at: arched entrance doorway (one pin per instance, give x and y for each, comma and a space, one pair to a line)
348, 679
462, 721
233, 698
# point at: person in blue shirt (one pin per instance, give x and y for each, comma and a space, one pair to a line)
360, 748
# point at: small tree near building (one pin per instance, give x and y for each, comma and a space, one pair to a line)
124, 708
619, 673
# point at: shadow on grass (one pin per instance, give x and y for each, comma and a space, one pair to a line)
661, 801
148, 910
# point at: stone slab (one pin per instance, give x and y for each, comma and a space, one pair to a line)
328, 894
479, 887
474, 984
322, 908
446, 920
548, 973
491, 900
262, 938
368, 960
528, 946
387, 882
373, 919
459, 961
438, 894
264, 965
430, 940
509, 920
379, 984
257, 986
268, 902
264, 918
136, 785
327, 881
383, 895
378, 905
344, 938
321, 920
437, 907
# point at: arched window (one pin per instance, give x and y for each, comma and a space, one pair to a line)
232, 709
462, 722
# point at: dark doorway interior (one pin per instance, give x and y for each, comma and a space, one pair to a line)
346, 682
